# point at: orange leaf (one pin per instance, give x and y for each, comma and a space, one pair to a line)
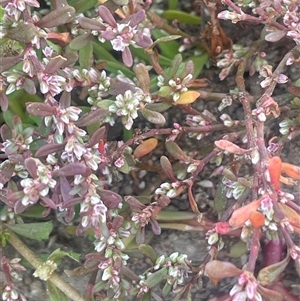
230, 147
292, 216
187, 97
274, 167
291, 170
257, 219
242, 214
145, 147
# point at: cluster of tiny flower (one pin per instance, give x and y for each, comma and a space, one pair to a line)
99, 89
11, 293
286, 128
213, 237
127, 106
245, 289
168, 189
112, 246
234, 189
176, 266
177, 85
38, 187
198, 120
266, 207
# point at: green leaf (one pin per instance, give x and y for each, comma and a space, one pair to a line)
8, 116
176, 151
115, 67
35, 211
148, 251
55, 293
146, 297
58, 254
181, 16
153, 117
81, 6
156, 277
37, 231
159, 106
238, 249
220, 198
86, 55
199, 62
168, 49
102, 53
172, 4
270, 273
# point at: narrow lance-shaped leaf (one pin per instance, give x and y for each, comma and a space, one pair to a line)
230, 147
269, 295
54, 64
97, 136
39, 109
148, 251
176, 151
270, 273
59, 16
242, 214
10, 61
274, 168
72, 169
156, 277
192, 201
145, 147
92, 117
153, 117
291, 170
37, 231
50, 148
142, 75
167, 168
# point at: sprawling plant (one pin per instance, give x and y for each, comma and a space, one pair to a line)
75, 70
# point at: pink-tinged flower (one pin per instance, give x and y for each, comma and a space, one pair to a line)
51, 83
245, 289
233, 16
33, 190
124, 33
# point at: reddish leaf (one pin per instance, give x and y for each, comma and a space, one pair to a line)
242, 214
216, 269
72, 169
192, 201
145, 147
275, 168
269, 295
167, 168
54, 64
291, 170
230, 147
257, 219
39, 109
61, 15
176, 151
50, 148
292, 216
92, 117
9, 61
